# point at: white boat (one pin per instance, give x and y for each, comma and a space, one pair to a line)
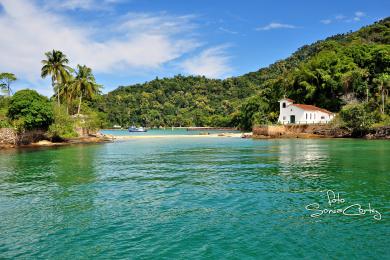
137, 129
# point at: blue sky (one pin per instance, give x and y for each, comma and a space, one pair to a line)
127, 42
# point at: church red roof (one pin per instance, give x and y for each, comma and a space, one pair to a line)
311, 108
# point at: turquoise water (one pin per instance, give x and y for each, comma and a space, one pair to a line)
200, 198
168, 131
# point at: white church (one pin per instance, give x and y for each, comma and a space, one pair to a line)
291, 113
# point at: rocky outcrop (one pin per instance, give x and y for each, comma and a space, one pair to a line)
299, 131
379, 133
316, 131
8, 136
33, 136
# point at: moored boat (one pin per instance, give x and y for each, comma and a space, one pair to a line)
137, 129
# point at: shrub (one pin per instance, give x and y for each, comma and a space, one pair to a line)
30, 110
4, 123
4, 103
63, 125
91, 119
255, 110
384, 120
357, 118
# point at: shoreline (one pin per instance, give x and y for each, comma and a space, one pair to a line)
112, 138
222, 135
317, 131
46, 143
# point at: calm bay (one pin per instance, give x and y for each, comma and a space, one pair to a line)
206, 198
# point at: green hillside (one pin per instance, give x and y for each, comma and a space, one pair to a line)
341, 69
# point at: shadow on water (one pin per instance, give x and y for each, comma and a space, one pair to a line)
51, 193
63, 166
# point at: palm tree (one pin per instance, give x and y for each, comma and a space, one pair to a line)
6, 79
383, 81
84, 84
55, 65
66, 91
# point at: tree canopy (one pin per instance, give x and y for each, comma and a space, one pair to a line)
30, 109
329, 73
84, 84
56, 66
6, 79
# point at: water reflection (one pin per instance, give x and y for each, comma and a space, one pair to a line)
64, 166
302, 153
203, 198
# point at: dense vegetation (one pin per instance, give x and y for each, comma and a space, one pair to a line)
342, 69
346, 73
30, 110
178, 101
61, 116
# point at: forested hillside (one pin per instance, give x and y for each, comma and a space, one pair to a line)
178, 101
331, 73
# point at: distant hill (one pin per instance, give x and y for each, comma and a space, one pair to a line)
327, 73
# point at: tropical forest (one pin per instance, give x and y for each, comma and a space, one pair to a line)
348, 74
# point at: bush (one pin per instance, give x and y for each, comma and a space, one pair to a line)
4, 123
4, 103
30, 110
220, 121
63, 126
357, 118
93, 120
384, 120
255, 111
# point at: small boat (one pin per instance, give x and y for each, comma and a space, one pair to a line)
137, 129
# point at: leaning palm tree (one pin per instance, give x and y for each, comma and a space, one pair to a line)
84, 84
5, 82
55, 65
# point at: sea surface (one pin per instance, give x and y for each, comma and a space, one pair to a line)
201, 198
167, 131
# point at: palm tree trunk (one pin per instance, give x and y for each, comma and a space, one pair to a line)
58, 93
9, 88
383, 101
68, 103
78, 110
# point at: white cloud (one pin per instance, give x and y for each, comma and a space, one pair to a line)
227, 30
76, 4
326, 21
340, 17
80, 4
358, 16
212, 62
272, 26
132, 43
